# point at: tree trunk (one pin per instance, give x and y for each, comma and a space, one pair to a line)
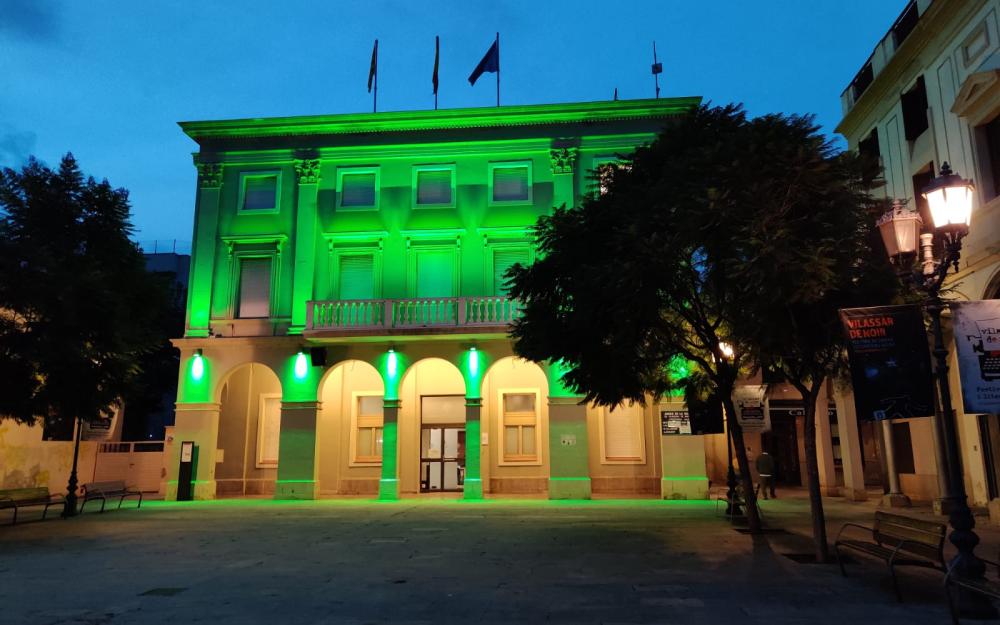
809, 397
746, 479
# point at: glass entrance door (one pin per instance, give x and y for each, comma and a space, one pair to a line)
442, 458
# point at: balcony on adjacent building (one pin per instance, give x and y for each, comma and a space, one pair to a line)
393, 317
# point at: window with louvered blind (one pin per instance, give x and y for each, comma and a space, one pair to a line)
259, 192
356, 277
255, 288
358, 188
510, 183
268, 430
434, 187
622, 435
504, 259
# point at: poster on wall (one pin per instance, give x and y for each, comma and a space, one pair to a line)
675, 422
890, 362
751, 408
977, 343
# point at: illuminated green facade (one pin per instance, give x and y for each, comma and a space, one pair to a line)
380, 239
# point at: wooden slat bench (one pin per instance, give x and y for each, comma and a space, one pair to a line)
987, 587
17, 498
899, 541
105, 490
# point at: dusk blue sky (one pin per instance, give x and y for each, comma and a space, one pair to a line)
109, 80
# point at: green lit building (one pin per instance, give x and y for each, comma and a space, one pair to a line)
347, 318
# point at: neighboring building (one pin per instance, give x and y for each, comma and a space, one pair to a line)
347, 318
929, 94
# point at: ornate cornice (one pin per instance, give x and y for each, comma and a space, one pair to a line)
209, 175
307, 171
562, 160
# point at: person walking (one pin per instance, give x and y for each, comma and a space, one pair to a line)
765, 468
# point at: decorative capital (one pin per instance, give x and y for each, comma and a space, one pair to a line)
209, 175
307, 171
562, 160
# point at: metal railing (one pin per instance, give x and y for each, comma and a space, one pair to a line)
414, 313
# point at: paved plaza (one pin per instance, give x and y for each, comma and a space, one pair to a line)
443, 561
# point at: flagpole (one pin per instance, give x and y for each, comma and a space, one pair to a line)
498, 69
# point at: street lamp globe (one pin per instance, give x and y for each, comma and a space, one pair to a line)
949, 197
900, 230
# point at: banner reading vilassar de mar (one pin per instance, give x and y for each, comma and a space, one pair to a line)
977, 342
890, 362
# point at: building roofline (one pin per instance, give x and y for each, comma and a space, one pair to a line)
443, 119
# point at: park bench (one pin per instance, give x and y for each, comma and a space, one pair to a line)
18, 498
983, 586
899, 541
108, 490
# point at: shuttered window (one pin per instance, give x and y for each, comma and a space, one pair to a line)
357, 190
435, 273
434, 187
357, 276
269, 431
623, 438
511, 183
368, 429
260, 193
255, 288
504, 259
520, 427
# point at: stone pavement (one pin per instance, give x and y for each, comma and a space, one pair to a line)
444, 561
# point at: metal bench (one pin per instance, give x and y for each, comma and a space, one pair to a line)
982, 586
18, 498
899, 541
105, 490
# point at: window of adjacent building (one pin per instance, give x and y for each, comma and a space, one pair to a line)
255, 288
622, 434
268, 430
905, 24
519, 422
259, 192
356, 276
434, 187
368, 429
435, 273
863, 80
510, 182
868, 146
914, 104
902, 447
358, 188
503, 259
991, 135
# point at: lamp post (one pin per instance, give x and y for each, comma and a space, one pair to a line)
949, 198
733, 509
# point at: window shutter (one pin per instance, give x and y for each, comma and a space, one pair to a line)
623, 433
510, 184
434, 186
434, 273
358, 189
270, 431
260, 193
357, 277
255, 288
504, 259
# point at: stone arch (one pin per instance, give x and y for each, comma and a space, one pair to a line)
992, 290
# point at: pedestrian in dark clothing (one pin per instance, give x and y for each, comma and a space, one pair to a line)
765, 468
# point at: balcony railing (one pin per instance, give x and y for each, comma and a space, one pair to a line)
429, 313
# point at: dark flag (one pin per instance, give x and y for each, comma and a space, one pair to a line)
437, 57
373, 70
490, 62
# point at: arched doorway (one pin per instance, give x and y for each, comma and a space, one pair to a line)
249, 432
349, 429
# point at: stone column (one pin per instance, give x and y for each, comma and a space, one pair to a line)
894, 498
824, 447
850, 445
307, 176
473, 488
563, 161
206, 226
198, 422
388, 485
297, 451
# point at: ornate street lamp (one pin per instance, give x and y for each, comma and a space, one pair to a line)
949, 198
726, 353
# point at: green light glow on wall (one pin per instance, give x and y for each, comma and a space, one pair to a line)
473, 365
391, 365
301, 365
197, 367
473, 361
196, 383
555, 372
299, 381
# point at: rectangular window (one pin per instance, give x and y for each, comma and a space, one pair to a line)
368, 429
914, 104
503, 260
435, 273
434, 187
357, 276
510, 182
905, 24
991, 132
255, 288
520, 427
358, 188
259, 192
902, 447
623, 434
868, 147
268, 431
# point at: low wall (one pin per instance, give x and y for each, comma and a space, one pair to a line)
26, 460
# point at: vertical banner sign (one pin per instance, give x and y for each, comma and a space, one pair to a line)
890, 362
751, 408
977, 343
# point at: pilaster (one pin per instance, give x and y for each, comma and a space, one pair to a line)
197, 422
569, 463
206, 226
297, 451
563, 161
685, 475
307, 176
388, 485
473, 488
824, 446
850, 445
